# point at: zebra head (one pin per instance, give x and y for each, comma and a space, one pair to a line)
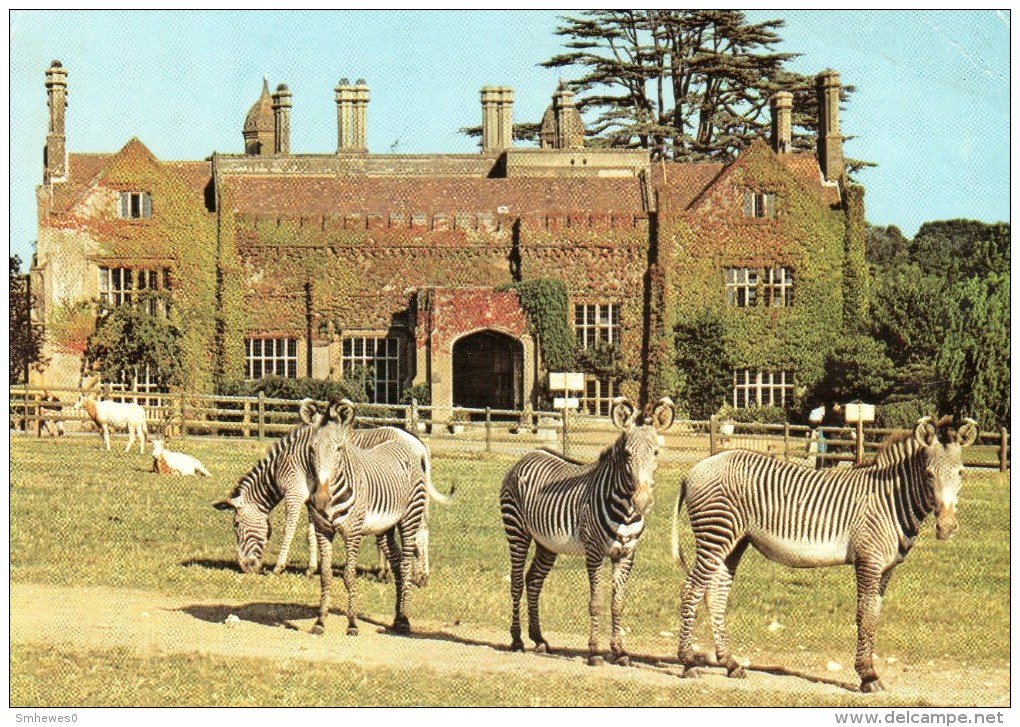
252, 528
332, 427
637, 448
941, 443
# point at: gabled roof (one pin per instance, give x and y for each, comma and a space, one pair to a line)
312, 196
82, 170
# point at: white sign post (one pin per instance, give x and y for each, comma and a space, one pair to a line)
858, 413
565, 384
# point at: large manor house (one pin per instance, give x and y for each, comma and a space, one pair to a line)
276, 262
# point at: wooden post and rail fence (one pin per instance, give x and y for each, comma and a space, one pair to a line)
484, 430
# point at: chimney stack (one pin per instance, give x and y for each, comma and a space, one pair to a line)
830, 142
281, 117
55, 153
352, 116
782, 122
497, 118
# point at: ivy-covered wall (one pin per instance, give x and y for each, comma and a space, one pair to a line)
697, 245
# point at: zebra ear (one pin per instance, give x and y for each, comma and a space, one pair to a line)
967, 434
225, 505
925, 432
623, 413
309, 409
663, 414
342, 411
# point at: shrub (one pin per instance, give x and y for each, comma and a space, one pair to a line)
754, 414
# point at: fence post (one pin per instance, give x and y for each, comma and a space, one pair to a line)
1003, 445
183, 415
566, 431
488, 429
246, 431
262, 415
711, 434
28, 424
786, 441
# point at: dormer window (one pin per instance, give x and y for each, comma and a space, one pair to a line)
135, 205
759, 204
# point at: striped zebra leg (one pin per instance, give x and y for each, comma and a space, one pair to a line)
519, 542
325, 543
698, 580
383, 570
313, 549
869, 602
593, 564
401, 556
352, 544
541, 564
292, 513
621, 570
716, 597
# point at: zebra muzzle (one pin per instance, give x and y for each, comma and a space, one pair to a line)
946, 524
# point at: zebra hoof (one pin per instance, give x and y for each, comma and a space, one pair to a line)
542, 647
318, 629
517, 646
352, 630
736, 672
311, 572
621, 660
275, 571
596, 660
692, 673
871, 686
401, 626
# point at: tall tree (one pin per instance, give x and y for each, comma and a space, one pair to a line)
974, 360
687, 84
26, 337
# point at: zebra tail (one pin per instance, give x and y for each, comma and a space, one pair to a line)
433, 492
678, 554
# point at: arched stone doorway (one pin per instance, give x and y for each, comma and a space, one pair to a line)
487, 371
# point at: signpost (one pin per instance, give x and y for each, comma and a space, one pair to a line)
858, 413
565, 383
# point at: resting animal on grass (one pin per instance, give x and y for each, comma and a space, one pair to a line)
166, 462
116, 415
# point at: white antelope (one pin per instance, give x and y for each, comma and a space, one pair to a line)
116, 415
165, 462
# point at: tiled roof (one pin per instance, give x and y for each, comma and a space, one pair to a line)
196, 175
82, 169
805, 167
308, 195
680, 183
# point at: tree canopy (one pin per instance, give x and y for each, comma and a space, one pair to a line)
26, 337
127, 340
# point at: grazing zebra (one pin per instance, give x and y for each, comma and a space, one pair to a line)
284, 475
595, 510
378, 491
867, 517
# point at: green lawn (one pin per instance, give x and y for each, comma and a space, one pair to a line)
83, 516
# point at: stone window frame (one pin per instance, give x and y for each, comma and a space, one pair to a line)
270, 356
124, 285
135, 205
591, 328
142, 381
771, 287
759, 205
762, 387
598, 395
386, 372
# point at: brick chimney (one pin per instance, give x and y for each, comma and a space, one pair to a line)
497, 118
830, 143
352, 116
55, 153
782, 122
281, 117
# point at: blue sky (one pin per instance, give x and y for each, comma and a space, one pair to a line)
932, 105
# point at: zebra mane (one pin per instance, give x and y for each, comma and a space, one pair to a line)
256, 472
565, 458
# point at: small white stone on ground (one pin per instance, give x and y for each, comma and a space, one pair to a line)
775, 626
891, 660
665, 633
231, 620
834, 666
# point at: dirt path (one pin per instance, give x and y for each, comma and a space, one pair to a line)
94, 618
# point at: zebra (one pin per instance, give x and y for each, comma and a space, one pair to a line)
282, 475
380, 491
596, 510
868, 517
